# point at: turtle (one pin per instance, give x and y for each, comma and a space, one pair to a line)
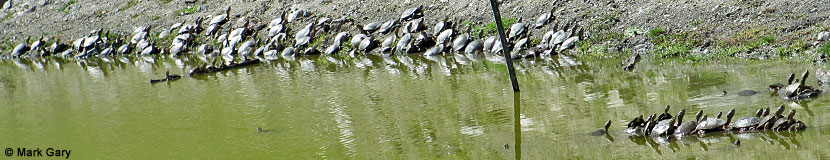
602, 131
386, 45
124, 49
744, 124
334, 48
436, 50
650, 123
403, 43
414, 26
489, 42
517, 30
366, 45
21, 48
665, 115
686, 128
708, 125
568, 43
440, 27
667, 127
340, 37
387, 26
356, 39
797, 126
460, 42
769, 119
412, 13
784, 122
473, 47
311, 51
371, 27
288, 52
444, 36
635, 126
543, 19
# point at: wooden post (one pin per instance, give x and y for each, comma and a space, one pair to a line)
504, 45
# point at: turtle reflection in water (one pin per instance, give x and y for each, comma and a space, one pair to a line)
795, 89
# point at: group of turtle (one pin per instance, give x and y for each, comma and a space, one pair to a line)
405, 34
795, 89
668, 125
665, 124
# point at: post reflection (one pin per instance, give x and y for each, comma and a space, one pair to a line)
517, 125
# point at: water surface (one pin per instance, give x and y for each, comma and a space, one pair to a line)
390, 108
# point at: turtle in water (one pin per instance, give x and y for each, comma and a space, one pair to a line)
686, 128
769, 119
667, 127
602, 131
747, 93
747, 123
708, 125
784, 122
795, 89
635, 126
665, 115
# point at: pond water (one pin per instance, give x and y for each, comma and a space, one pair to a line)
406, 107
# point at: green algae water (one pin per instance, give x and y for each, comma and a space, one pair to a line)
390, 108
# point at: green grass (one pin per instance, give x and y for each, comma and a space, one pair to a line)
492, 28
187, 11
674, 45
6, 46
632, 31
166, 1
657, 31
155, 18
318, 41
825, 48
535, 41
129, 5
65, 7
604, 22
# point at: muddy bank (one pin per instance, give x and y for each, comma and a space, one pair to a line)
685, 29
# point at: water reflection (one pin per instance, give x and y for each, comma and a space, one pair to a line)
517, 124
785, 139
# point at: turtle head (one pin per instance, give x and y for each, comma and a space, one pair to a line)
719, 114
607, 124
766, 112
790, 79
791, 115
804, 77
759, 112
729, 117
651, 118
667, 109
680, 116
780, 110
698, 115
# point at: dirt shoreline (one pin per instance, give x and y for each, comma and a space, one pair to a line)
687, 29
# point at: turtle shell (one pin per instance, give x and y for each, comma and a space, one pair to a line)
685, 128
781, 123
710, 123
661, 128
767, 119
746, 122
